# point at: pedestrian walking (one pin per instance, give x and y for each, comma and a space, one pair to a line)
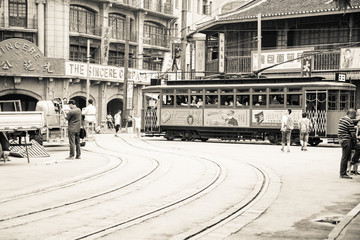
130, 125
90, 116
348, 142
117, 119
304, 126
109, 121
287, 125
74, 122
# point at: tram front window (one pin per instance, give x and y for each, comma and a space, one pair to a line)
344, 100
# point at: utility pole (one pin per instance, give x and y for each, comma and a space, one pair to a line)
126, 66
88, 71
259, 40
183, 37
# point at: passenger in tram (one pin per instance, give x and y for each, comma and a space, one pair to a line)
200, 103
231, 103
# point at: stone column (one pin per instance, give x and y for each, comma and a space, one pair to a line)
41, 24
140, 30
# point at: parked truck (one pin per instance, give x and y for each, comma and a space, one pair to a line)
16, 124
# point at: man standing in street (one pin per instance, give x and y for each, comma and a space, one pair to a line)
90, 116
348, 142
117, 118
287, 125
74, 122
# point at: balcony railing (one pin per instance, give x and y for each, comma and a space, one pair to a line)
212, 66
30, 23
238, 64
326, 61
157, 40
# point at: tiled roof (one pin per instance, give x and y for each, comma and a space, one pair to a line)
279, 8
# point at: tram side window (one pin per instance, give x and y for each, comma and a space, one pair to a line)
293, 100
211, 100
259, 100
182, 100
344, 100
242, 100
333, 99
276, 100
197, 101
227, 101
168, 100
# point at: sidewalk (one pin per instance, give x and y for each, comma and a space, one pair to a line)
20, 177
348, 228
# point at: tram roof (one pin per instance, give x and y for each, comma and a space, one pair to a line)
247, 83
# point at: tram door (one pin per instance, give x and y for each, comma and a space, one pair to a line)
316, 102
151, 112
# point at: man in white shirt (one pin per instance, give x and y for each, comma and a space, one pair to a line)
90, 115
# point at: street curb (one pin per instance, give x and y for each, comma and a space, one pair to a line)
336, 233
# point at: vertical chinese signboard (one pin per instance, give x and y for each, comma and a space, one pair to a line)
130, 95
306, 66
221, 52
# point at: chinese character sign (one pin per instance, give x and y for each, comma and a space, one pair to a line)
221, 52
281, 57
306, 66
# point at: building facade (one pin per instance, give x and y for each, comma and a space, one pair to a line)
327, 36
59, 33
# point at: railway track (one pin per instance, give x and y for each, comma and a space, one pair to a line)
26, 217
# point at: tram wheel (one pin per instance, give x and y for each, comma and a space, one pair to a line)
204, 139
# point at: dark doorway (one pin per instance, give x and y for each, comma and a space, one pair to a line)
27, 103
114, 106
80, 102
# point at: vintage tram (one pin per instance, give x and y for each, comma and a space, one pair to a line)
244, 108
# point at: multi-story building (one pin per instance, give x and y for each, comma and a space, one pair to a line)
44, 44
327, 35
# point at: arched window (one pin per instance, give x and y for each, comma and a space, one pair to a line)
156, 34
18, 13
82, 20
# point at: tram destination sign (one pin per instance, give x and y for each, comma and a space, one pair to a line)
19, 57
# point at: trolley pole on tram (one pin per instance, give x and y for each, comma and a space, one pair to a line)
126, 66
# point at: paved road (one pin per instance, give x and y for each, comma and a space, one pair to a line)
156, 189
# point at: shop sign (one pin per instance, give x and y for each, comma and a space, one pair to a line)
130, 95
181, 117
227, 118
107, 73
199, 58
221, 52
273, 57
272, 118
306, 66
19, 57
349, 58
